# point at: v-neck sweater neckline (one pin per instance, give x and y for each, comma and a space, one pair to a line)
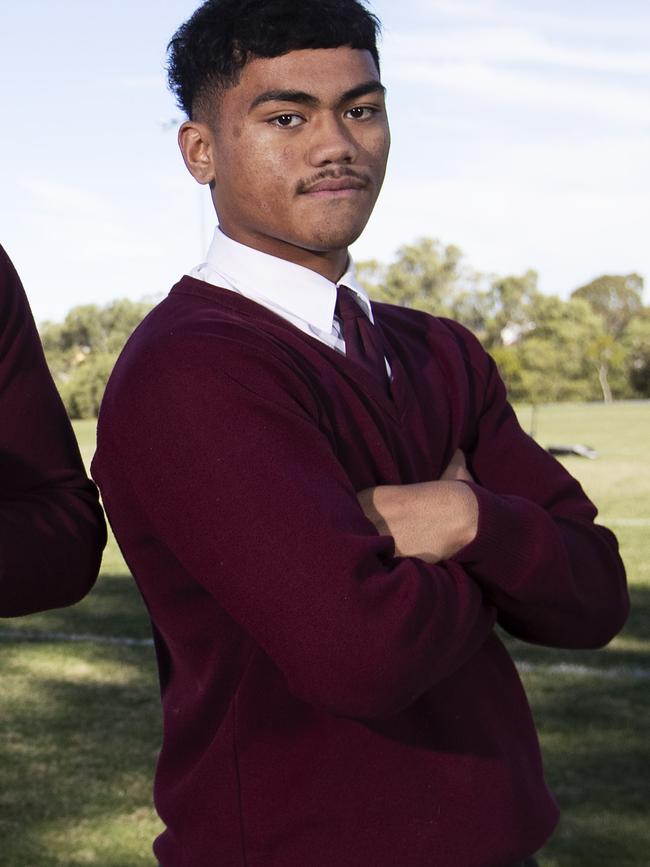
393, 400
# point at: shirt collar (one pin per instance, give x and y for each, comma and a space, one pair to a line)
298, 290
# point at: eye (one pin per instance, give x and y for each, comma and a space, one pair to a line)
361, 112
286, 121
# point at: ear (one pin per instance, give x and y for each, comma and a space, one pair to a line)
196, 144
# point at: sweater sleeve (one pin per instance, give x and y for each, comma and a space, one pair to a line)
52, 529
554, 575
224, 454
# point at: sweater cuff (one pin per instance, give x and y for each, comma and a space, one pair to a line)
512, 532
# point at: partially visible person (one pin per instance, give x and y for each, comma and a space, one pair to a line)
52, 529
328, 503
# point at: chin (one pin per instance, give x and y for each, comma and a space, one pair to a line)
334, 238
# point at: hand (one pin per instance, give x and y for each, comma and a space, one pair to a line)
429, 520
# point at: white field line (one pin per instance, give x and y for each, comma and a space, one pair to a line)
567, 668
562, 668
25, 635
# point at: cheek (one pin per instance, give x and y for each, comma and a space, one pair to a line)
259, 178
278, 171
274, 176
377, 144
381, 148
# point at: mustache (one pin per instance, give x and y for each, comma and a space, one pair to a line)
304, 186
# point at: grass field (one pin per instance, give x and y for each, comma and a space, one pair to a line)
79, 721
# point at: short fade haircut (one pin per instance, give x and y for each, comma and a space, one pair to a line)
207, 54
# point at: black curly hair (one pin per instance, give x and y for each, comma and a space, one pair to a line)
209, 51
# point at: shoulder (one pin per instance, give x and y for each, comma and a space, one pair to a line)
17, 327
7, 270
194, 347
446, 338
11, 290
470, 346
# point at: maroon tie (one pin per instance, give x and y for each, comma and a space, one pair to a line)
363, 342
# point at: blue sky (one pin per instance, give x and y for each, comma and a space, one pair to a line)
521, 133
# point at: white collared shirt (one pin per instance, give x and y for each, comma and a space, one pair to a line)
298, 294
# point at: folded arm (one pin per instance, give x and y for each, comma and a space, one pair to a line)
519, 524
429, 520
226, 458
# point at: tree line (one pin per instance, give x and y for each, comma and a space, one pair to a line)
595, 345
82, 350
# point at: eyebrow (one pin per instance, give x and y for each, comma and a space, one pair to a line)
303, 98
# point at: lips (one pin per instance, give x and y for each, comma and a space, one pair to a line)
335, 185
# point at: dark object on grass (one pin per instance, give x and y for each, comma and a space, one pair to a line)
578, 449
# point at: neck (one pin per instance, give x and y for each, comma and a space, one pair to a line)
331, 264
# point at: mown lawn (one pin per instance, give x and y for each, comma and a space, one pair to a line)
594, 729
79, 722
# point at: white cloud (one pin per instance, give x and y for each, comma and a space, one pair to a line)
621, 21
572, 213
624, 20
515, 88
46, 195
156, 83
504, 45
457, 9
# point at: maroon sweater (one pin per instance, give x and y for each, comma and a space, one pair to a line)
52, 529
327, 704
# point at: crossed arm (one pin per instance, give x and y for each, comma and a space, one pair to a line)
429, 520
522, 529
354, 627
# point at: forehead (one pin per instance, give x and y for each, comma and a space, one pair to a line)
324, 72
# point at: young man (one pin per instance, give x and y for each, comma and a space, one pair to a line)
52, 528
328, 504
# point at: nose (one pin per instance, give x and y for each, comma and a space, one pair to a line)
331, 141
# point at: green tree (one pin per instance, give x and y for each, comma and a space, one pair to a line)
636, 342
425, 275
508, 360
604, 353
500, 313
512, 301
595, 344
473, 308
82, 350
83, 390
617, 298
553, 353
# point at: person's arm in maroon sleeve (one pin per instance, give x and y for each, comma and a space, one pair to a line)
223, 453
554, 575
52, 529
